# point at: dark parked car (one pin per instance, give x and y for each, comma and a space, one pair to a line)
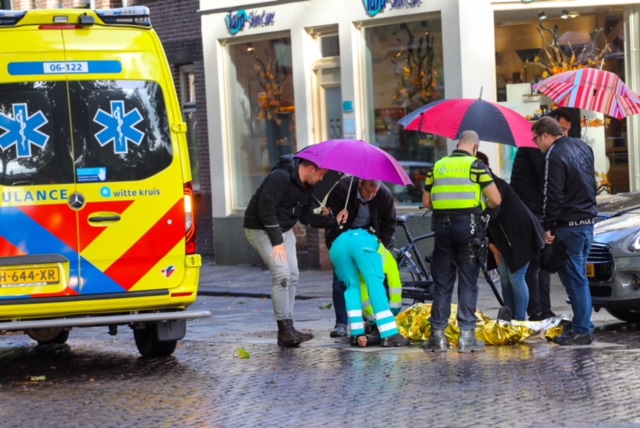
613, 266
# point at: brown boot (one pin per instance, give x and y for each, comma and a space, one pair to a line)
286, 335
302, 337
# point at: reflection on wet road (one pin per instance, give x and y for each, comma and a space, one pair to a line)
97, 380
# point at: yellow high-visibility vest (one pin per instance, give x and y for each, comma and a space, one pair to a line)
390, 267
452, 186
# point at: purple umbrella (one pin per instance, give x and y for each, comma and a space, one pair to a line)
357, 158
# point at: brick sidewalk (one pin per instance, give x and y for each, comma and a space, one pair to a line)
252, 281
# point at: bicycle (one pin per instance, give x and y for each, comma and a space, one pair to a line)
417, 281
416, 278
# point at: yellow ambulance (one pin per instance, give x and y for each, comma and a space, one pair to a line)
96, 217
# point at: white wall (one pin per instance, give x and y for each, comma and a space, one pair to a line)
469, 62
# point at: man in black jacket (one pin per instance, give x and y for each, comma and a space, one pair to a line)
568, 213
527, 178
282, 199
369, 206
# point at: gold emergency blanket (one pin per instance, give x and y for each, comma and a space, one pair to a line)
414, 324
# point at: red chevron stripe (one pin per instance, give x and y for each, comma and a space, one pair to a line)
7, 249
66, 292
152, 247
87, 232
58, 219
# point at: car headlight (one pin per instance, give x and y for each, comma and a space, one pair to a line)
634, 245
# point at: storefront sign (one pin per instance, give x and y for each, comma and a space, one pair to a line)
238, 21
374, 7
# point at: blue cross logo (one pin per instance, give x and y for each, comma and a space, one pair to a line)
118, 127
22, 130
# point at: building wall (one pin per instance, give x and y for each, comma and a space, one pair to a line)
178, 26
468, 70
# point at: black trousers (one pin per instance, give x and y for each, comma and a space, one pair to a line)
452, 256
539, 283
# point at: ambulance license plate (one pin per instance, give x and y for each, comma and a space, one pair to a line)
11, 277
591, 270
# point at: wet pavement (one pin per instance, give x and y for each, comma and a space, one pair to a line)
99, 380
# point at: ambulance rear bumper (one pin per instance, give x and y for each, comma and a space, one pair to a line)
94, 321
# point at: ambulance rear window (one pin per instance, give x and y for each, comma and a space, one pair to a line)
51, 130
35, 139
123, 129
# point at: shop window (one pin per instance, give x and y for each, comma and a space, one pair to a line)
405, 72
261, 111
188, 101
533, 45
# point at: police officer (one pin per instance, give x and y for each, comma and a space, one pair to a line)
454, 190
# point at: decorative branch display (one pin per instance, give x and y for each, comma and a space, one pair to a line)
414, 68
275, 97
554, 60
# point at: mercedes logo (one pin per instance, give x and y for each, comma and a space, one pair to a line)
76, 201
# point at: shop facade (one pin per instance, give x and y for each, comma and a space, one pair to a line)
281, 75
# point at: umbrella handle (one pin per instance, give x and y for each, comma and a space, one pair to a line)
347, 200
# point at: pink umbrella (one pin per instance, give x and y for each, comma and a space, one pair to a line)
450, 118
591, 89
357, 158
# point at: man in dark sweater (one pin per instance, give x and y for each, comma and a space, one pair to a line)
282, 199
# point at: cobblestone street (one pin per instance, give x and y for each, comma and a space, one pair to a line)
97, 380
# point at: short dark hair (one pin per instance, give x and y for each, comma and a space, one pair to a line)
548, 125
305, 162
483, 157
560, 113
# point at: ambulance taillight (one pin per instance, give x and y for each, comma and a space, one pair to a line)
190, 219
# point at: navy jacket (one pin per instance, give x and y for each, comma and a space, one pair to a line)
514, 229
381, 208
527, 177
569, 191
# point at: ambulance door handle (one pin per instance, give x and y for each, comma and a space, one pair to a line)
101, 219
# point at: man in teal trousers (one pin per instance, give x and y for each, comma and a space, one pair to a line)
355, 253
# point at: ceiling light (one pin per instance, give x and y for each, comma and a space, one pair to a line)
526, 1
542, 16
573, 14
565, 14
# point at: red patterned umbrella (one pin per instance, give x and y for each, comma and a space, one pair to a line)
591, 89
450, 118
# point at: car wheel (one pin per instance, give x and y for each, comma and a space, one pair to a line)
49, 336
627, 315
148, 344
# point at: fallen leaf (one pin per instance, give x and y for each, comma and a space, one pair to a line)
242, 353
325, 306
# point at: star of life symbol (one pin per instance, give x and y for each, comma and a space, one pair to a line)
22, 130
118, 127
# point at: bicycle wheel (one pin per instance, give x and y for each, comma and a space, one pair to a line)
415, 288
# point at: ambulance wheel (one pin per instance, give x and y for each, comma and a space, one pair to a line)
49, 336
148, 344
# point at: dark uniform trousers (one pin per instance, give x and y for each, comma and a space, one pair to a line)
453, 253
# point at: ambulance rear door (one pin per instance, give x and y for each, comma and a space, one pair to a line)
131, 215
38, 226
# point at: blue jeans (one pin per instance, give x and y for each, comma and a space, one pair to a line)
285, 273
453, 254
574, 274
514, 290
